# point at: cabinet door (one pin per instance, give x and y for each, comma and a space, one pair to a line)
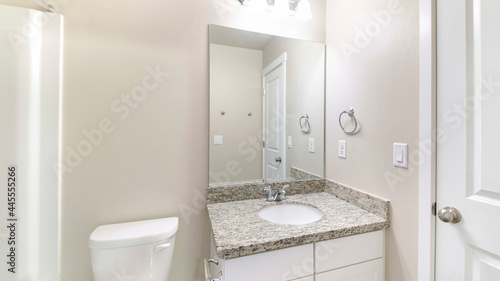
367, 271
284, 264
342, 252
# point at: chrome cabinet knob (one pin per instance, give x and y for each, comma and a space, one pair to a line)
449, 215
278, 159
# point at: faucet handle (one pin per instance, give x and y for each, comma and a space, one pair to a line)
269, 192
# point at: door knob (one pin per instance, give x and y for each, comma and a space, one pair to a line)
278, 159
449, 215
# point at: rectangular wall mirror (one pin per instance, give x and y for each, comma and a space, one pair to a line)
267, 112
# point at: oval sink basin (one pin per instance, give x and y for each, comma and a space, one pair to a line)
291, 214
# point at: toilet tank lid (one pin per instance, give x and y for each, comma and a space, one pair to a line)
133, 233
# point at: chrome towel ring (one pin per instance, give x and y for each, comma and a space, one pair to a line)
349, 112
306, 123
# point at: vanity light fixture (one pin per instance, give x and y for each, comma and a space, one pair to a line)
304, 11
299, 9
48, 8
281, 8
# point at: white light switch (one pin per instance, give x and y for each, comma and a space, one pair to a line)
311, 145
289, 142
400, 157
217, 139
342, 149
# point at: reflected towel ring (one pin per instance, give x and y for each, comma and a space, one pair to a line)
349, 112
306, 118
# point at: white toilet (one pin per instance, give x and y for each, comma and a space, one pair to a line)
138, 251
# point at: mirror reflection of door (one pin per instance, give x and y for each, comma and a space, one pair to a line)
237, 61
274, 129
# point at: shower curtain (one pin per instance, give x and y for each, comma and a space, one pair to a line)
30, 97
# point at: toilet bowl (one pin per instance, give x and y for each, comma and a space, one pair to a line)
138, 251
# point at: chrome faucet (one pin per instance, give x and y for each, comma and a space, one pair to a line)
276, 194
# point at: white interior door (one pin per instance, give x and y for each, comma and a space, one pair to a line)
274, 119
468, 153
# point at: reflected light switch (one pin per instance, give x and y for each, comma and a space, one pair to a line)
400, 155
217, 139
289, 142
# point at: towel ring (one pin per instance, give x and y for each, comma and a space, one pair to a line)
349, 112
306, 118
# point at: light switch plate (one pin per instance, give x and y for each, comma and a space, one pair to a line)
289, 142
311, 145
342, 149
400, 155
217, 139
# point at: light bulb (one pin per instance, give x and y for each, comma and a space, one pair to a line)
257, 5
281, 8
303, 11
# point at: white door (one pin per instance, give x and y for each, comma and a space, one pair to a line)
274, 119
468, 153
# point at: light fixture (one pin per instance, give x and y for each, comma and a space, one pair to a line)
258, 5
304, 11
299, 9
281, 8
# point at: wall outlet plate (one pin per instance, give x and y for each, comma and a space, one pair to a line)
342, 149
217, 139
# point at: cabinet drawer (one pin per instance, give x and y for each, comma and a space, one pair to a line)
367, 271
284, 264
336, 253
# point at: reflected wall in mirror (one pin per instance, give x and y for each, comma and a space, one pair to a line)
260, 87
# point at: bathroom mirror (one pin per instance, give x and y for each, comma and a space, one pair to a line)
266, 107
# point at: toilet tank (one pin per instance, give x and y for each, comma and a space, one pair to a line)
139, 251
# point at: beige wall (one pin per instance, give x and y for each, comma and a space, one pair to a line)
236, 89
377, 74
305, 88
154, 163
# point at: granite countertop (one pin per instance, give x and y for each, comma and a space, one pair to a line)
239, 231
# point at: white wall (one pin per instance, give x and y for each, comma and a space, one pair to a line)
376, 73
305, 93
236, 89
154, 160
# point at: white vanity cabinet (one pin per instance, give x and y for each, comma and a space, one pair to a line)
353, 258
284, 264
366, 271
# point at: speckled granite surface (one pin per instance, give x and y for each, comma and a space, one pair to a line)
255, 190
234, 183
238, 230
300, 174
371, 203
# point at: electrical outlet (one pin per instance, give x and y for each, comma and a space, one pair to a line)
217, 139
311, 145
342, 149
